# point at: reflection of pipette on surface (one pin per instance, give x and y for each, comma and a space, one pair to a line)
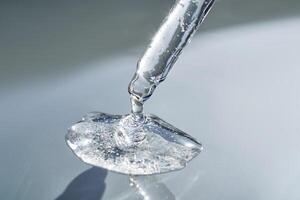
149, 188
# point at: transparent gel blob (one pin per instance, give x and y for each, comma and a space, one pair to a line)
131, 144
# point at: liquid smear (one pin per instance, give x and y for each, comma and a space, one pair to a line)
139, 143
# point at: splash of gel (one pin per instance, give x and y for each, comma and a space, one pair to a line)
123, 144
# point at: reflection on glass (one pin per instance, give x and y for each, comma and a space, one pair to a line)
149, 188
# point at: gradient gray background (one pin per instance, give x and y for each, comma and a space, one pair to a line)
235, 88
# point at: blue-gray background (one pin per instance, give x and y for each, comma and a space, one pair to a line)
235, 88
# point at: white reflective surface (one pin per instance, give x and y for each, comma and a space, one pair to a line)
243, 94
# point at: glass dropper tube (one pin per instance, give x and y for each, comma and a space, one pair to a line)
167, 44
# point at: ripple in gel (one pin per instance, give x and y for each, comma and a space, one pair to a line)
131, 145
